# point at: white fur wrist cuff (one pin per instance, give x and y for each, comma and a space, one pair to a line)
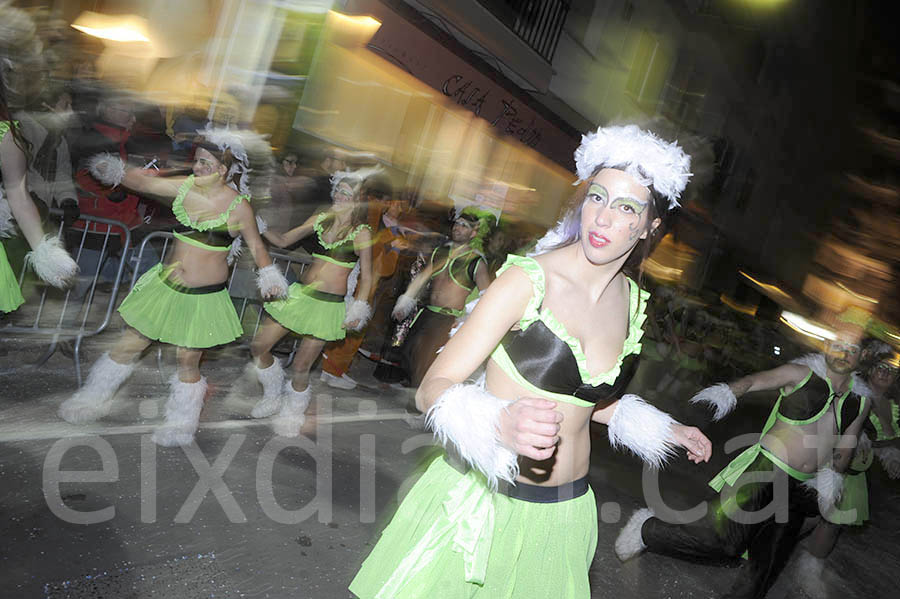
405, 304
642, 428
269, 277
358, 310
469, 417
107, 168
52, 263
719, 397
829, 485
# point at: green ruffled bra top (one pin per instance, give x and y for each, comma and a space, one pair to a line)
341, 251
893, 431
212, 234
544, 358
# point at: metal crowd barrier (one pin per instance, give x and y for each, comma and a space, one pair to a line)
62, 316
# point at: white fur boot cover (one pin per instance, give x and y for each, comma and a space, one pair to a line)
182, 413
809, 574
358, 310
272, 381
629, 543
292, 415
94, 400
469, 417
719, 397
52, 263
642, 428
829, 485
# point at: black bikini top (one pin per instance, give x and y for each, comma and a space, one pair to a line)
461, 269
813, 397
543, 357
341, 251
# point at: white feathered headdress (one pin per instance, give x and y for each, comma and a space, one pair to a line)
225, 138
652, 161
355, 178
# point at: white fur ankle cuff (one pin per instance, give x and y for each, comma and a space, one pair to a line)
52, 263
107, 168
405, 304
270, 277
469, 417
360, 311
829, 485
642, 428
719, 397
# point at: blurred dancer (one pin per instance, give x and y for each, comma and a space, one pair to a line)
880, 437
184, 302
562, 331
803, 450
48, 258
315, 308
453, 271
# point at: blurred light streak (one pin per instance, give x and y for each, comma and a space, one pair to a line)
766, 287
748, 309
806, 327
116, 28
859, 296
663, 273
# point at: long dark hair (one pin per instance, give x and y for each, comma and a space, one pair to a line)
5, 115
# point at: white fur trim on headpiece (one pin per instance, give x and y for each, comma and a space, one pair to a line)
652, 161
890, 459
7, 227
269, 277
642, 428
469, 417
829, 485
107, 168
52, 263
720, 397
355, 177
225, 138
815, 362
358, 310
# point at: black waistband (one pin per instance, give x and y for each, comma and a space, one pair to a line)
321, 295
192, 290
532, 493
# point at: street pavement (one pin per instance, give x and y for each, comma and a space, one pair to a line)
100, 511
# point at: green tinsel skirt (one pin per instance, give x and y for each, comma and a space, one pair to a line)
452, 538
308, 311
195, 317
10, 294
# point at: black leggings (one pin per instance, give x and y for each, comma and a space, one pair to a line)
725, 534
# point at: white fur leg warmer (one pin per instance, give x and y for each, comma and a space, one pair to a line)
469, 417
107, 168
890, 459
404, 306
358, 310
642, 428
94, 400
292, 415
629, 543
809, 571
52, 263
182, 413
719, 397
829, 485
270, 277
272, 381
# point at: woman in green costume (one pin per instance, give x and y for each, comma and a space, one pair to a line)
508, 511
316, 307
48, 259
185, 301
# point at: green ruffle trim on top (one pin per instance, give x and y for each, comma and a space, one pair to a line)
4, 127
213, 223
895, 419
349, 237
637, 314
536, 274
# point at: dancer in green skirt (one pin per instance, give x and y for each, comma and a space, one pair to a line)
48, 259
508, 512
315, 308
183, 302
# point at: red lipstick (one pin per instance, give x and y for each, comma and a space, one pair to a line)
597, 240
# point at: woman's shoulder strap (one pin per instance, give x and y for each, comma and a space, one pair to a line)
535, 274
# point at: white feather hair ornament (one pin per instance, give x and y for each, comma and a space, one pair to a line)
652, 161
355, 177
226, 138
